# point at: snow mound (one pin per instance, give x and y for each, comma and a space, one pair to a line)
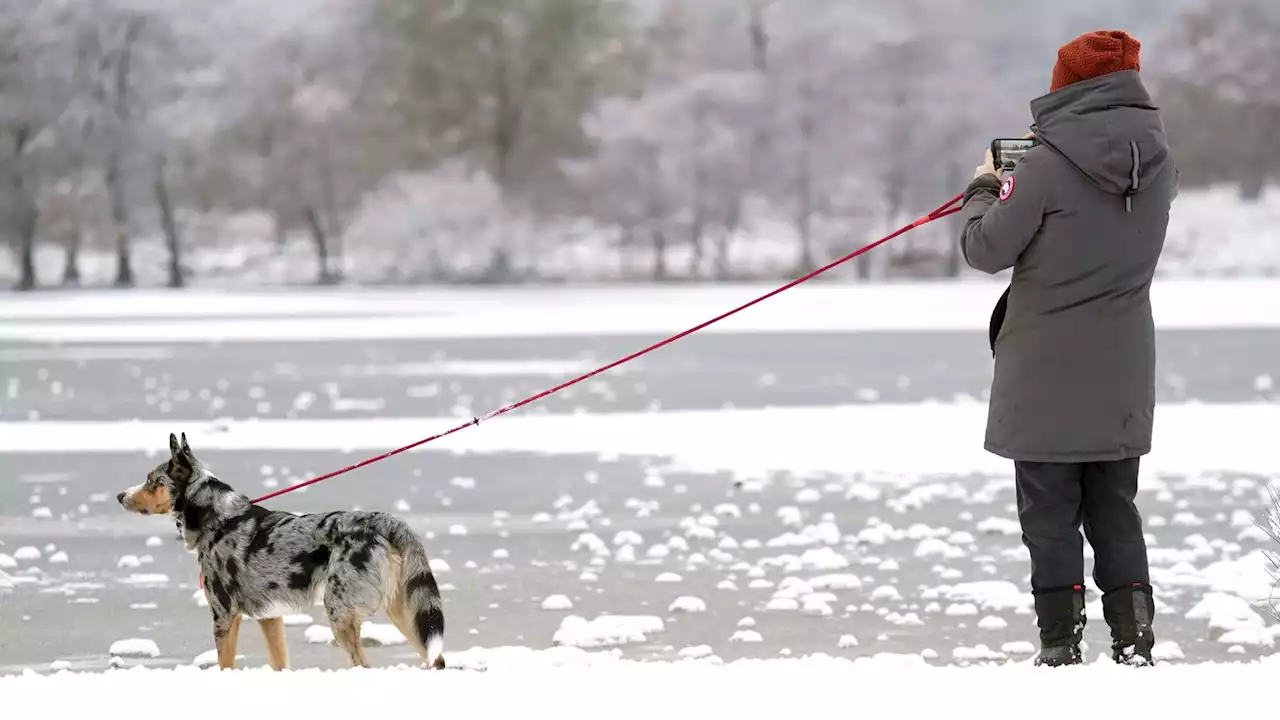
557, 602
606, 630
371, 635
134, 648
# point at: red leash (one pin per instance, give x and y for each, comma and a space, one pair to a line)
941, 212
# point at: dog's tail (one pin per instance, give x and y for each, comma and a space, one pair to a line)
414, 600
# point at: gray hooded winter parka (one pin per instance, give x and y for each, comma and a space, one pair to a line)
1082, 222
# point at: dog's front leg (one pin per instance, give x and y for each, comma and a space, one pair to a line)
273, 633
226, 630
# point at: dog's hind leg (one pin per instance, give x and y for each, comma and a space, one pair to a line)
273, 633
397, 607
226, 631
346, 631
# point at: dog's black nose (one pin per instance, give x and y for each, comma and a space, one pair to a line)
120, 498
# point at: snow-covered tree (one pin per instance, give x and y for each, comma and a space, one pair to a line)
504, 83
1228, 48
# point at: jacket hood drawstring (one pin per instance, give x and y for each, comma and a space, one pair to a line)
1133, 177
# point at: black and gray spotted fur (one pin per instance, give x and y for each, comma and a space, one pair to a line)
264, 564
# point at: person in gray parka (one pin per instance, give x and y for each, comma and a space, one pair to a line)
1082, 221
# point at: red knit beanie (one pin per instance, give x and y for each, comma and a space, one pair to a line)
1094, 54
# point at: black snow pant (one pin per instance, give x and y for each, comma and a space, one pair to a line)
1055, 499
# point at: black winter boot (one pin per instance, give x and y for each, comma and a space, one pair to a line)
1060, 615
1128, 612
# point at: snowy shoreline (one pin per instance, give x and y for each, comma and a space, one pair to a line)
203, 316
868, 439
623, 689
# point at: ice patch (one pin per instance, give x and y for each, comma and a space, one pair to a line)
145, 579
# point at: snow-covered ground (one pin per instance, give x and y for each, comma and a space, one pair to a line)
1212, 233
575, 685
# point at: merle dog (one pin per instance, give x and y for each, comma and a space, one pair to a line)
263, 565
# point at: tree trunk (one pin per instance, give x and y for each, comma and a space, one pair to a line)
120, 219
659, 238
697, 195
169, 226
325, 275
730, 226
506, 129
27, 215
27, 250
281, 234
71, 261
804, 184
758, 37
115, 185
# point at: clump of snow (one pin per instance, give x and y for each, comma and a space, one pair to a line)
371, 635
59, 558
886, 592
993, 622
840, 581
961, 609
207, 659
606, 630
976, 653
318, 635
1225, 613
784, 604
297, 620
668, 577
745, 636
1018, 647
847, 641
687, 604
1000, 526
557, 602
27, 553
134, 648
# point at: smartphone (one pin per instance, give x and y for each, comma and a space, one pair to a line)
1007, 152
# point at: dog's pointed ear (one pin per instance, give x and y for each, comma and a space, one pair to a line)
181, 452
